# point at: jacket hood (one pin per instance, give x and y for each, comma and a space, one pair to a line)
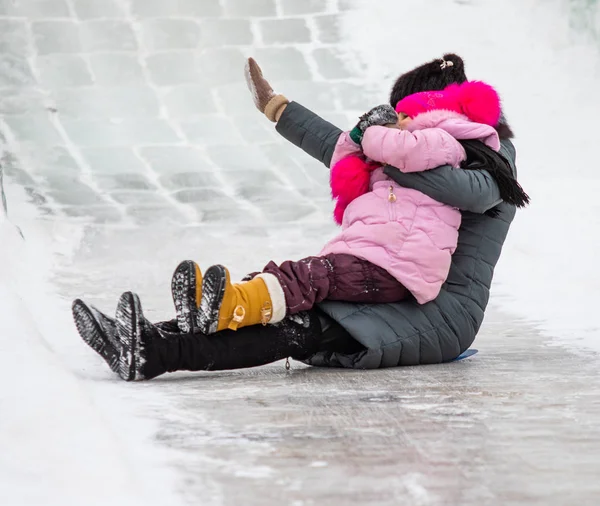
457, 125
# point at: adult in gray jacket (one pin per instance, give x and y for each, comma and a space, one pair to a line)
339, 334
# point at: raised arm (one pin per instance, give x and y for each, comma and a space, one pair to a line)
297, 124
313, 134
309, 132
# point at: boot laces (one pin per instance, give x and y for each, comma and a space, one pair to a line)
239, 313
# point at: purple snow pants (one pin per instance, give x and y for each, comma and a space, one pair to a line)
334, 277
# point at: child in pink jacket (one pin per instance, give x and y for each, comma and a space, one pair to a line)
395, 242
405, 232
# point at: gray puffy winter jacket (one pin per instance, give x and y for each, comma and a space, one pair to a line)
406, 333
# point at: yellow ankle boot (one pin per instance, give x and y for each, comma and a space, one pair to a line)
232, 306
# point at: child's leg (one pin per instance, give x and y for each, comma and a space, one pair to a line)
357, 280
290, 288
335, 277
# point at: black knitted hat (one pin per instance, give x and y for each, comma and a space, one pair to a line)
435, 75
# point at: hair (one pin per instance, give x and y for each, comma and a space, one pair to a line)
503, 128
428, 77
482, 157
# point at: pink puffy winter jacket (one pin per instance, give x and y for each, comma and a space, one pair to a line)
400, 229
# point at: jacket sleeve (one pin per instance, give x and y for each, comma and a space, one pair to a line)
310, 132
412, 151
345, 147
468, 190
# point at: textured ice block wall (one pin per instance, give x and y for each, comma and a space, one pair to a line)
136, 111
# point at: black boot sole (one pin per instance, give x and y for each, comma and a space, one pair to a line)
93, 334
108, 325
183, 291
214, 283
129, 330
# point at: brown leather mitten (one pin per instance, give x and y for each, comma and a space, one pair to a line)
265, 99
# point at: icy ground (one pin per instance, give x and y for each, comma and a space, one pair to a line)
130, 143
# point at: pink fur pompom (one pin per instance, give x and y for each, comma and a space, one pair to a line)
475, 99
349, 179
478, 101
339, 210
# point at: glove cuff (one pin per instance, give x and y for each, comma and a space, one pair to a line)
273, 106
356, 134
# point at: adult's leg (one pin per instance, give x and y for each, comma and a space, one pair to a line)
334, 338
136, 349
252, 346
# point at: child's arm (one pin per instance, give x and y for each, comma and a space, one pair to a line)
412, 151
344, 147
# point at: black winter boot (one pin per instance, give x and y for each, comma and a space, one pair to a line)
121, 341
98, 331
117, 341
186, 290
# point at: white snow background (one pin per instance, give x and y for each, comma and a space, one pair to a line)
62, 437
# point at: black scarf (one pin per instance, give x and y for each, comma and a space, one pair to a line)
482, 157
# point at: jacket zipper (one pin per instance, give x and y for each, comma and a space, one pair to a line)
392, 201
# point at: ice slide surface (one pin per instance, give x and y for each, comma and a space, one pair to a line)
129, 142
